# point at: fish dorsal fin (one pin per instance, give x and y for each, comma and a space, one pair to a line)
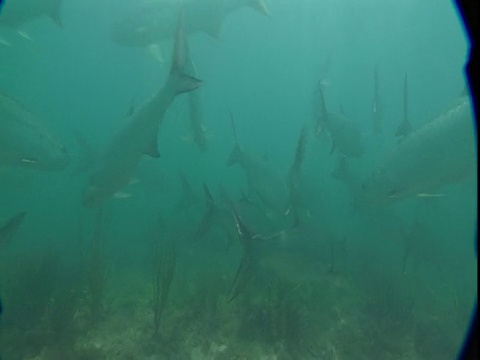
152, 147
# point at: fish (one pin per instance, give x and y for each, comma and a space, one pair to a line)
405, 127
25, 142
16, 13
345, 135
153, 21
440, 153
376, 106
215, 216
264, 183
139, 136
196, 116
297, 254
294, 178
10, 227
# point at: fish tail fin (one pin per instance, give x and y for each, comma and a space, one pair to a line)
178, 79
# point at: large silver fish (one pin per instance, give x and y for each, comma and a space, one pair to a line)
440, 153
25, 142
152, 21
139, 137
17, 12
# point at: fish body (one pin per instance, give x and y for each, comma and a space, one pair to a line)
15, 13
440, 153
152, 21
139, 136
25, 141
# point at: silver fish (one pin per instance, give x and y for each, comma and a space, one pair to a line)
25, 142
440, 153
139, 137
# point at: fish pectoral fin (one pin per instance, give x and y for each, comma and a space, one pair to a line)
187, 138
260, 6
152, 147
24, 34
156, 51
121, 195
4, 42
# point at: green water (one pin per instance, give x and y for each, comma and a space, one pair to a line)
286, 257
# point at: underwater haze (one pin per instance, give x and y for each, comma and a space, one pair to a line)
235, 179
